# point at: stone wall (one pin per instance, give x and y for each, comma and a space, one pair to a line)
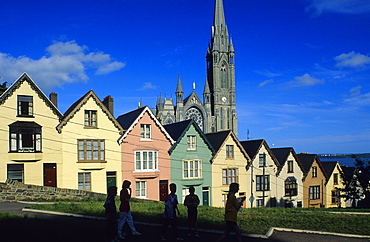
12, 190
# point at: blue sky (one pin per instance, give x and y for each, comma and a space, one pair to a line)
302, 67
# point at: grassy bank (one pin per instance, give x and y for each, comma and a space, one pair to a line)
254, 220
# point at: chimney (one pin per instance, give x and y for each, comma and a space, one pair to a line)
54, 98
108, 102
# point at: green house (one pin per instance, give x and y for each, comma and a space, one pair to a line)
190, 160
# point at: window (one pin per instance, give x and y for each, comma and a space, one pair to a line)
314, 171
192, 142
25, 106
145, 131
25, 137
291, 186
146, 160
290, 166
91, 150
335, 197
259, 202
229, 151
229, 176
262, 160
192, 169
84, 181
15, 172
263, 184
185, 192
90, 118
314, 192
141, 189
336, 179
224, 200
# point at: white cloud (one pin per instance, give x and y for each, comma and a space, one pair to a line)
317, 7
264, 83
352, 59
148, 85
64, 62
307, 80
356, 98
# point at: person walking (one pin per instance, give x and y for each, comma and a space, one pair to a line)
125, 214
169, 214
192, 202
231, 211
111, 213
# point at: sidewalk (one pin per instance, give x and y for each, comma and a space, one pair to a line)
96, 229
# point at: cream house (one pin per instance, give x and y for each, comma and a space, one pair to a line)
30, 147
91, 153
228, 166
290, 175
334, 184
264, 185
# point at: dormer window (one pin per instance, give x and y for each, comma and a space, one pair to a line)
25, 106
90, 118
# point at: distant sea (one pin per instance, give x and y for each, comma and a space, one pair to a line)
344, 159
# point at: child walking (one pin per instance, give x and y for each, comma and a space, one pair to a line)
192, 202
169, 214
125, 214
231, 211
111, 213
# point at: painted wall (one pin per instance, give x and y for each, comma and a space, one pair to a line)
283, 175
255, 170
51, 140
314, 181
202, 153
331, 186
132, 143
220, 162
75, 130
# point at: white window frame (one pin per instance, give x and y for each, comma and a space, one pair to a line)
192, 169
145, 132
146, 160
84, 181
140, 189
184, 193
192, 142
91, 118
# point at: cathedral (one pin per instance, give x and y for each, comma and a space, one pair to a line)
217, 111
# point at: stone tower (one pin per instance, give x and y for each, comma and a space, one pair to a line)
218, 110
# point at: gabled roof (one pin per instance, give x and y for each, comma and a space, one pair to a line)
75, 107
218, 139
349, 173
252, 147
329, 167
25, 78
129, 120
307, 161
192, 95
282, 155
178, 130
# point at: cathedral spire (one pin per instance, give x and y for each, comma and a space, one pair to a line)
219, 17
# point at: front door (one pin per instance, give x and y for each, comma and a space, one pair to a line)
205, 194
163, 190
50, 175
111, 179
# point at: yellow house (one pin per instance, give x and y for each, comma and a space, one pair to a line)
91, 153
314, 180
30, 147
228, 166
262, 175
334, 185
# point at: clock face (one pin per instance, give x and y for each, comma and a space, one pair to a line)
196, 115
224, 99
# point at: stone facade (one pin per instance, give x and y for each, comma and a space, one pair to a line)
12, 190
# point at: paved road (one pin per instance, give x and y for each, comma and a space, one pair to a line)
47, 227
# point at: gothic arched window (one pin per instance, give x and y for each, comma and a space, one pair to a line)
223, 76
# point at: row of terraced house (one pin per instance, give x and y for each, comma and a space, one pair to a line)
88, 148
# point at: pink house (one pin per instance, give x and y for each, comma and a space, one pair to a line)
145, 158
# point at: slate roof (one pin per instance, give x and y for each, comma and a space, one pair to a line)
179, 129
25, 78
307, 161
252, 147
282, 155
130, 119
329, 166
76, 106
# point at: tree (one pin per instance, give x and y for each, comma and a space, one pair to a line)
364, 177
3, 87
